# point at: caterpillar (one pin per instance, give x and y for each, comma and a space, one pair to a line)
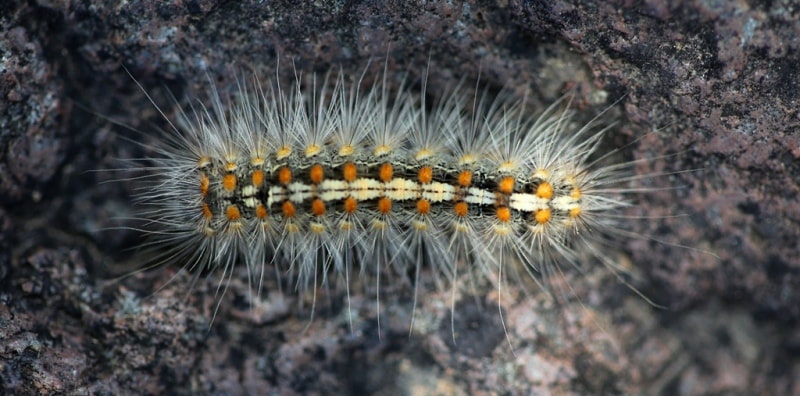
326, 178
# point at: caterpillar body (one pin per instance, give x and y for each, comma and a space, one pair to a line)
331, 179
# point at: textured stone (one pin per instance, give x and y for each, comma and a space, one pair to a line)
718, 80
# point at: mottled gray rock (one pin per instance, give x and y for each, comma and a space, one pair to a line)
719, 80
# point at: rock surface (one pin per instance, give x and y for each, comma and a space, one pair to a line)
719, 80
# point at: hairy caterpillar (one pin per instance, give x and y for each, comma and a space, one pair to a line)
323, 180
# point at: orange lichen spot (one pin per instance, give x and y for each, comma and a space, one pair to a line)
465, 178
229, 182
207, 211
576, 193
318, 207
384, 205
284, 175
316, 173
575, 212
542, 216
257, 177
386, 172
261, 211
545, 190
461, 209
506, 185
288, 209
423, 206
232, 213
503, 214
205, 182
349, 172
350, 205
425, 175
